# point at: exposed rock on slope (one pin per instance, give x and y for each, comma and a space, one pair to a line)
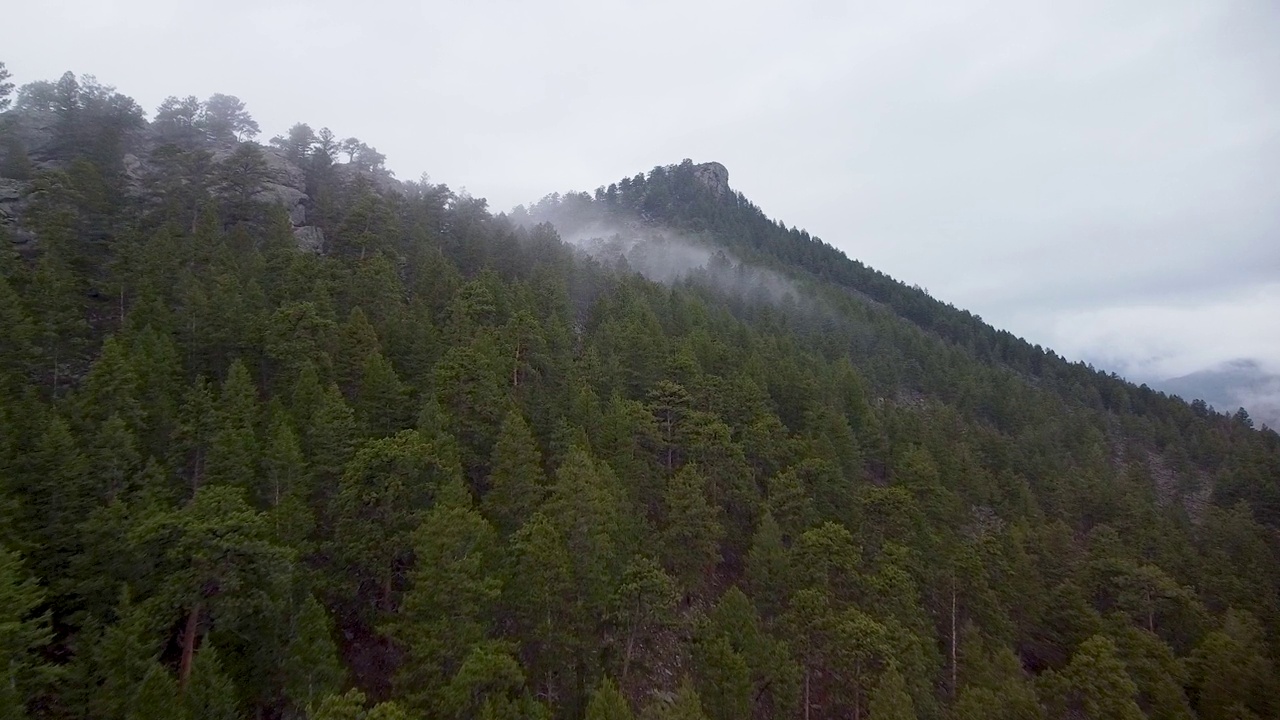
715, 176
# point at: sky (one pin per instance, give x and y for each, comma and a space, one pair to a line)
1101, 178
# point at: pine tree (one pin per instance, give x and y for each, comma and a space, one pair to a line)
769, 572
541, 578
643, 604
607, 703
1230, 670
234, 451
448, 607
889, 699
121, 659
312, 669
209, 694
218, 567
157, 697
692, 532
328, 443
382, 400
24, 632
686, 705
724, 680
1098, 683
381, 498
516, 482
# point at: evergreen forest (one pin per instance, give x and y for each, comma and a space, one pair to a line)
285, 437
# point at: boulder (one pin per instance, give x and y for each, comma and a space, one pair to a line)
133, 168
11, 191
12, 199
309, 238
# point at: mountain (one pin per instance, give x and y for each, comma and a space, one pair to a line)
1232, 385
282, 436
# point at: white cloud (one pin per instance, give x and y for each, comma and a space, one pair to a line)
1152, 342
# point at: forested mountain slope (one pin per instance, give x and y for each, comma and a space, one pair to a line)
284, 437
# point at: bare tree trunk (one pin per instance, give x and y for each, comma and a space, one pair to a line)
807, 705
188, 646
954, 672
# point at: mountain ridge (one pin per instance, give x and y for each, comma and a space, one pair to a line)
668, 458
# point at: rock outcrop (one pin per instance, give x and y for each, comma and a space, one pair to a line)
293, 200
715, 176
309, 239
13, 195
34, 133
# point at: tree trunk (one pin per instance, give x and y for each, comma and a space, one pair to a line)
807, 705
188, 646
954, 672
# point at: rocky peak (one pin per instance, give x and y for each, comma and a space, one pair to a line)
715, 176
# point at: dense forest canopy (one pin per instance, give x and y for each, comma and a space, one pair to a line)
282, 436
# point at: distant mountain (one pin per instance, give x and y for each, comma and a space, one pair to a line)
1232, 385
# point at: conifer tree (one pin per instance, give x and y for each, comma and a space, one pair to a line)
607, 703
1098, 684
889, 699
541, 578
24, 631
234, 448
769, 573
686, 705
312, 668
157, 697
209, 694
693, 532
516, 481
380, 502
446, 611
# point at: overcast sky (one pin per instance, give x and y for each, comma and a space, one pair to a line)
1099, 177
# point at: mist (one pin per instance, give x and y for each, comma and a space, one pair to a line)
659, 253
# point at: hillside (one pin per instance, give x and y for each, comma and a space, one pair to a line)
282, 436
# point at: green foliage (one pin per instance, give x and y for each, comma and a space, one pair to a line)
351, 706
607, 703
516, 481
209, 694
312, 669
889, 700
685, 705
6, 87
460, 465
692, 533
1231, 671
1097, 684
158, 698
24, 632
381, 497
446, 613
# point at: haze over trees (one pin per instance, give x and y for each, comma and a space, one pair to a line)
284, 437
